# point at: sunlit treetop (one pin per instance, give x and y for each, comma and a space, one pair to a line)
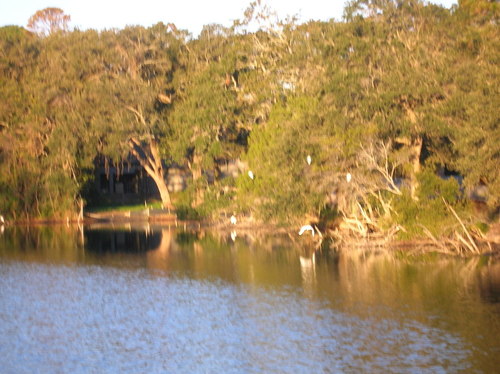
48, 21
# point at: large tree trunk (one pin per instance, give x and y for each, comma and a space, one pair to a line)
195, 166
162, 188
196, 171
416, 150
149, 157
415, 147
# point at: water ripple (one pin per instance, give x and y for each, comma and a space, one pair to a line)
91, 319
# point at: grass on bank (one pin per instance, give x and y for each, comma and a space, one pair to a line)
124, 207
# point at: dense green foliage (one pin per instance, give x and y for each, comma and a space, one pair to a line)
394, 94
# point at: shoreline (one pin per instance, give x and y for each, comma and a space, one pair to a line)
490, 244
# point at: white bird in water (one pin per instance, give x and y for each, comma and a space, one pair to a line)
233, 220
233, 235
348, 177
306, 228
250, 174
308, 159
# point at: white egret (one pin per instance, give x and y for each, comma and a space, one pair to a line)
2, 220
233, 220
306, 228
250, 174
233, 235
308, 159
348, 177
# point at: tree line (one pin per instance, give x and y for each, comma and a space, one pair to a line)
381, 122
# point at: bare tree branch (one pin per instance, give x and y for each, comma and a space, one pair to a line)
138, 114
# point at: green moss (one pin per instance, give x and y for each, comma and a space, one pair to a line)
125, 207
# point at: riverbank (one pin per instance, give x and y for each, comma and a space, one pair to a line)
488, 244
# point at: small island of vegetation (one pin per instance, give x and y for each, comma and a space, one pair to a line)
382, 125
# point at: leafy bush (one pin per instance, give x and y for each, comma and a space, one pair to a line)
429, 212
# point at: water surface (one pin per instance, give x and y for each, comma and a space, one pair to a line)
158, 301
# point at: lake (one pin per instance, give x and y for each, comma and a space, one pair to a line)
160, 300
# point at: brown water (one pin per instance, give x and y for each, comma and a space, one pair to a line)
156, 301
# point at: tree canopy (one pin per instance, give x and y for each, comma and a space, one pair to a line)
400, 95
48, 21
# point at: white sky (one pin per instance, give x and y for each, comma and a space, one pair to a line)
185, 14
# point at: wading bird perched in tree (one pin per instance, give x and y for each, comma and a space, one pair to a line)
348, 177
306, 228
250, 174
308, 159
